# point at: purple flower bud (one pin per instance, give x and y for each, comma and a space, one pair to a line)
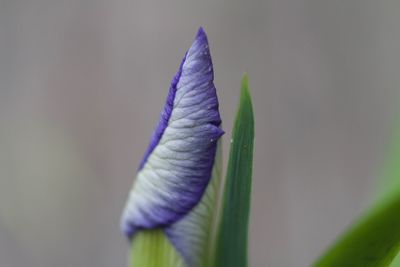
177, 165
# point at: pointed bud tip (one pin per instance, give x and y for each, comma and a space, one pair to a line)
201, 32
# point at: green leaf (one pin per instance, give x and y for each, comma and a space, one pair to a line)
151, 248
231, 250
375, 239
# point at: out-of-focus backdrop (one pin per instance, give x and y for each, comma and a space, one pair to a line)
82, 84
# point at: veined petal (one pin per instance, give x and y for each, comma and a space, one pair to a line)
177, 165
193, 235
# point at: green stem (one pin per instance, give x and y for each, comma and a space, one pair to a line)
151, 248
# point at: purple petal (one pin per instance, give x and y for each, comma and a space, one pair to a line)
193, 235
177, 165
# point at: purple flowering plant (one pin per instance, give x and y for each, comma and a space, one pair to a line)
179, 211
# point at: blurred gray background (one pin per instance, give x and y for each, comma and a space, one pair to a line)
82, 84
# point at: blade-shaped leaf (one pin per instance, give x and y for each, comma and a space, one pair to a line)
231, 250
375, 239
